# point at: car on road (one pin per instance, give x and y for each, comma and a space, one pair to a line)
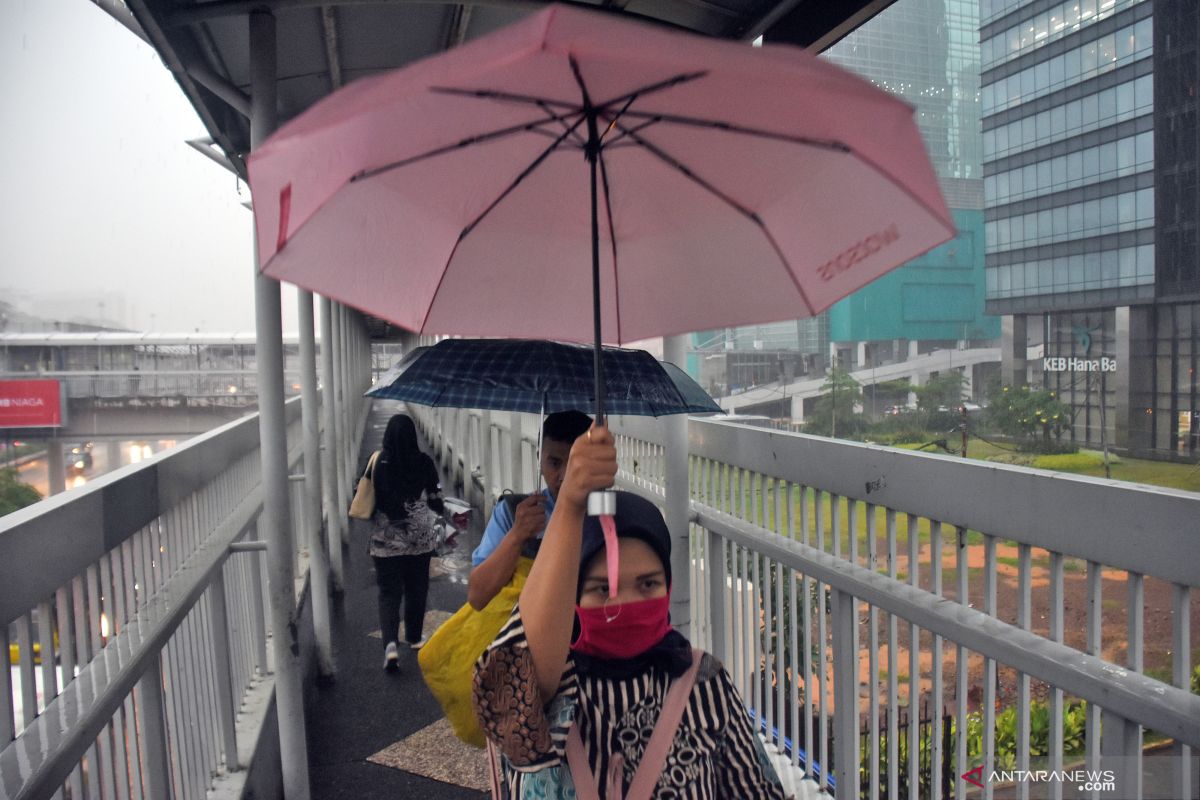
79, 458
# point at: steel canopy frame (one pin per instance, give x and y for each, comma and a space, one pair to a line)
206, 44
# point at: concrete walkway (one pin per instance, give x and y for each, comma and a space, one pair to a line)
378, 735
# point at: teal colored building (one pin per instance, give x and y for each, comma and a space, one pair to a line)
938, 296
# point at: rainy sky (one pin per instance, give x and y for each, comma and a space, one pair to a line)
102, 201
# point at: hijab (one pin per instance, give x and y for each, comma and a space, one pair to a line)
636, 518
402, 471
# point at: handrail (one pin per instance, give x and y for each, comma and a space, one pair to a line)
1136, 697
53, 744
1026, 505
69, 531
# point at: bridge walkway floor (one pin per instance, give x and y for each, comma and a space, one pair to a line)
377, 734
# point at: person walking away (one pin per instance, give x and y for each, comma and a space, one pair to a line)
513, 532
595, 696
408, 503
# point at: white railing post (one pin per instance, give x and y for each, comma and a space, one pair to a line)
675, 444
489, 483
226, 704
717, 592
843, 611
156, 765
516, 477
1120, 745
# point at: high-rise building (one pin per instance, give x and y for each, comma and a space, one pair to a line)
927, 52
1090, 181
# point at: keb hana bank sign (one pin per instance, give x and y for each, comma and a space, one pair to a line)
1074, 364
31, 404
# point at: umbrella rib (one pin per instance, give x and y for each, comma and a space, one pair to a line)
524, 127
651, 88
624, 134
752, 216
510, 97
562, 121
537, 162
682, 168
728, 127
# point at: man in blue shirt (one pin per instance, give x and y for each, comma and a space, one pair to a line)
508, 533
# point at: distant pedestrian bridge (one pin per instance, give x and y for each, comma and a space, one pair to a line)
128, 383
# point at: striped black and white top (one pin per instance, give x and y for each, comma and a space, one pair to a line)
715, 753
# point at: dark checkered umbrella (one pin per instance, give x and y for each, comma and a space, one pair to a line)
539, 376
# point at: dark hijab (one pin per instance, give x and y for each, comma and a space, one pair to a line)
636, 518
402, 471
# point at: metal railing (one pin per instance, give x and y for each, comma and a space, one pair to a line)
137, 604
831, 577
237, 387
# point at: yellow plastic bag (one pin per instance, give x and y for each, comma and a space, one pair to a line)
448, 658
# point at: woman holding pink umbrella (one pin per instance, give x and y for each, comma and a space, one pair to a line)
589, 688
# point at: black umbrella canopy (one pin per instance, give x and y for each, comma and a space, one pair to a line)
535, 376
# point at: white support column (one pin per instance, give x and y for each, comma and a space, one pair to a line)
335, 491
318, 559
113, 453
340, 430
56, 467
675, 443
276, 522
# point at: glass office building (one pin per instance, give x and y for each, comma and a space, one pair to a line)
927, 52
1089, 151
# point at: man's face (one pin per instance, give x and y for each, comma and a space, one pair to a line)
554, 464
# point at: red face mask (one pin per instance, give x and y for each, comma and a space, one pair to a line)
624, 630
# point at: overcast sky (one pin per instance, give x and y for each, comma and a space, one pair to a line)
99, 192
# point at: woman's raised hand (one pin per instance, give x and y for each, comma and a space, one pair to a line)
591, 466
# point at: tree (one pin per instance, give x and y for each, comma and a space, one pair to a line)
14, 494
836, 410
941, 394
1027, 413
943, 391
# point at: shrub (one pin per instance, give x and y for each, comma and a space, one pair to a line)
13, 493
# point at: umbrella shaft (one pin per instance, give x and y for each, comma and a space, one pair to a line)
593, 156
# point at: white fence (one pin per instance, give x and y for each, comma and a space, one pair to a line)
861, 584
146, 589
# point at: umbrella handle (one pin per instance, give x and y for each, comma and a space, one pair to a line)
600, 504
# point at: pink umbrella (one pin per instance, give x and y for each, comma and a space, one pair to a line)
712, 184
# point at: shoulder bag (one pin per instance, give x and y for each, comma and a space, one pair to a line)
363, 505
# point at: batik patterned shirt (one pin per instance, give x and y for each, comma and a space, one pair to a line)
715, 753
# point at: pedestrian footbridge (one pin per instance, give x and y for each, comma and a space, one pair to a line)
893, 619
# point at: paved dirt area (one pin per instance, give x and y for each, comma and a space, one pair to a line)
1156, 619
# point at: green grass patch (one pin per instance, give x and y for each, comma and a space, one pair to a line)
1069, 462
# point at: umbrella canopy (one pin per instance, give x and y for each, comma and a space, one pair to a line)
576, 172
539, 376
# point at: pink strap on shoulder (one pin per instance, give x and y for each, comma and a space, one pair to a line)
653, 757
581, 772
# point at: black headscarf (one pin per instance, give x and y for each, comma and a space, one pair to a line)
402, 471
636, 518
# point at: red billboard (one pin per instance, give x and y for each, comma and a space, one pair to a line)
30, 404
